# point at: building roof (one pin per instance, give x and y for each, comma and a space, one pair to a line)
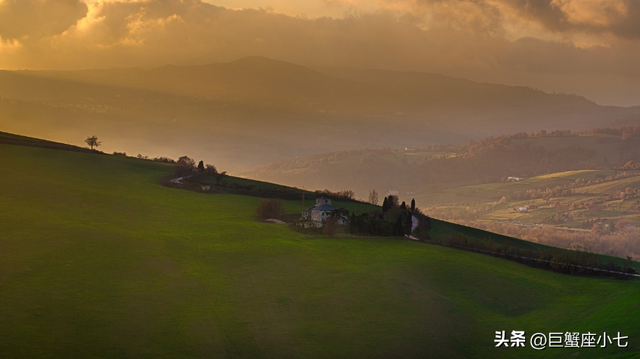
325, 208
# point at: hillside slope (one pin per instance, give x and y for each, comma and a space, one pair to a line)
99, 258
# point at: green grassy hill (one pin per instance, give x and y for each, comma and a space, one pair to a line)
12, 139
99, 260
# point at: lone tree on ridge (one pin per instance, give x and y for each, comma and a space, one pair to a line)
93, 141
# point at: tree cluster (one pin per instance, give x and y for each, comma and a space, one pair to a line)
394, 220
186, 166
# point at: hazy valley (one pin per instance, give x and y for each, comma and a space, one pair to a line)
255, 110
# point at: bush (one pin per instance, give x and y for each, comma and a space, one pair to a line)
271, 208
330, 226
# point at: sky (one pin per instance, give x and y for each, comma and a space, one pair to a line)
587, 47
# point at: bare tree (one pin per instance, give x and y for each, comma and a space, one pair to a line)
93, 141
271, 208
373, 197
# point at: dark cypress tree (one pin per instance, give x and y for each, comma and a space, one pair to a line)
398, 229
352, 224
201, 166
385, 205
403, 205
413, 205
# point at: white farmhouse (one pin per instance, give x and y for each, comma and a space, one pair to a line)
319, 213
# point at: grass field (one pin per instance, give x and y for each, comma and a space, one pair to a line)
604, 146
491, 192
485, 198
98, 260
414, 157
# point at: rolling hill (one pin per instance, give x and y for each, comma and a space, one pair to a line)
256, 110
101, 260
429, 170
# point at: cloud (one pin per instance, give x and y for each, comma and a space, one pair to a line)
551, 44
440, 35
23, 19
593, 13
619, 18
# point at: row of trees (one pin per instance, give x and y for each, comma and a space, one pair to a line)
622, 243
562, 261
345, 194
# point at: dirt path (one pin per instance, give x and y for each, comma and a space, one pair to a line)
178, 180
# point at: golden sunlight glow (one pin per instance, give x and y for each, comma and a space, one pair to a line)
477, 39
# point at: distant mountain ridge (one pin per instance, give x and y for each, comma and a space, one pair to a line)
257, 110
262, 80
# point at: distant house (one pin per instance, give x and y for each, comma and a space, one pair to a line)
205, 187
515, 179
319, 213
